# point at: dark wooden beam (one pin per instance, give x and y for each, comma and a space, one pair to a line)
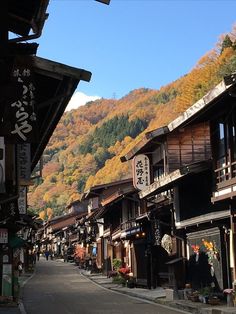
3, 28
104, 1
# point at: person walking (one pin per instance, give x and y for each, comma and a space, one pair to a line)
46, 254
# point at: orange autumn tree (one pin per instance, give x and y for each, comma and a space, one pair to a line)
79, 252
77, 156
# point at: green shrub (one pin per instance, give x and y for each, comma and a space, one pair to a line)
116, 263
119, 280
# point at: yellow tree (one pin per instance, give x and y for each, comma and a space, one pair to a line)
49, 213
42, 215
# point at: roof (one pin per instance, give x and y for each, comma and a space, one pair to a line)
46, 89
143, 144
113, 198
97, 189
104, 1
117, 195
197, 109
63, 223
199, 106
26, 18
55, 84
68, 220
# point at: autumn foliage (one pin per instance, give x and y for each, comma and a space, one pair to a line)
86, 146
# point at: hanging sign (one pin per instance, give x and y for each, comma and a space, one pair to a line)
9, 211
2, 166
3, 235
156, 226
141, 172
19, 118
22, 200
24, 163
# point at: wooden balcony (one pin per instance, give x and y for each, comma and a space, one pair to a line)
225, 182
129, 224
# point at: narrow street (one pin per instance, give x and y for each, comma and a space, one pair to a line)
59, 288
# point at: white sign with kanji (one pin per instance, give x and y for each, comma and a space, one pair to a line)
141, 172
22, 200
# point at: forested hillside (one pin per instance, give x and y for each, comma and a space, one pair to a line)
86, 146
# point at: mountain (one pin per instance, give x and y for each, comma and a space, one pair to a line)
86, 146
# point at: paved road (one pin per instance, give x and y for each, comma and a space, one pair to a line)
58, 288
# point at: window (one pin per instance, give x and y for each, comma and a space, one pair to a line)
158, 170
221, 147
225, 147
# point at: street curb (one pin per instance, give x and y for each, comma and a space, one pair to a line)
22, 284
134, 295
174, 305
22, 308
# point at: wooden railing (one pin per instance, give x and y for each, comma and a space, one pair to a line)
128, 224
226, 174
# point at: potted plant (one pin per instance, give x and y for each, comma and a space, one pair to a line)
194, 296
131, 281
116, 263
124, 273
204, 294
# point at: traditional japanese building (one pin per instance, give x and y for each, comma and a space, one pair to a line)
190, 199
34, 93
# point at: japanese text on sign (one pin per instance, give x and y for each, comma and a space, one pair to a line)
141, 172
24, 107
24, 163
3, 235
22, 200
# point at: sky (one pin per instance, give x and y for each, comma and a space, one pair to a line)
131, 44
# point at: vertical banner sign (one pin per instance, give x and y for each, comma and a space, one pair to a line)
2, 165
22, 201
141, 172
156, 232
24, 163
19, 118
3, 236
9, 210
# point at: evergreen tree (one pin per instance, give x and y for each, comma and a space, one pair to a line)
227, 42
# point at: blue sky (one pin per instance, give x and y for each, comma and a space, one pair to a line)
132, 43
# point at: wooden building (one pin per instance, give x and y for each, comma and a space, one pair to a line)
191, 196
34, 93
111, 217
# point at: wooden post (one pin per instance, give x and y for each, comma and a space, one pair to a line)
3, 28
3, 54
233, 228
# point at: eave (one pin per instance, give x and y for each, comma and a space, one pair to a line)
142, 145
97, 189
121, 193
55, 84
169, 180
26, 18
203, 219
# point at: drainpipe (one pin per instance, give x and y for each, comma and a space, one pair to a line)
37, 28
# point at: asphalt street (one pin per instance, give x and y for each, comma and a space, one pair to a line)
59, 288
